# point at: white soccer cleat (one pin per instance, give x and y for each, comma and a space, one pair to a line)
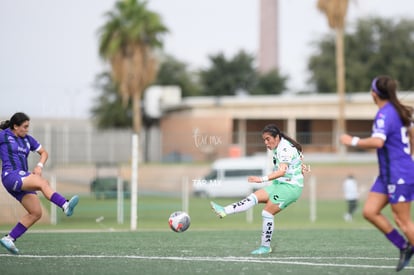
71, 205
262, 250
8, 243
218, 209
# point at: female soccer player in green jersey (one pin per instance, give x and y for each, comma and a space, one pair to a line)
286, 187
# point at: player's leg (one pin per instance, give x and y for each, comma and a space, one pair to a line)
401, 211
373, 206
372, 212
268, 213
352, 206
347, 215
402, 216
268, 222
377, 199
35, 182
279, 196
241, 206
32, 205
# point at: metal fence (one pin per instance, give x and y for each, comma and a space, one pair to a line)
88, 145
67, 145
74, 151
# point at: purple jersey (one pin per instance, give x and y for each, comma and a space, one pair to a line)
15, 150
395, 163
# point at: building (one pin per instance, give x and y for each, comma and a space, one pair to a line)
205, 128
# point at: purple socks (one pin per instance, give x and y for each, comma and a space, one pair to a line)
20, 229
17, 231
58, 199
396, 239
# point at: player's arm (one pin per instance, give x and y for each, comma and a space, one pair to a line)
43, 158
43, 155
274, 175
364, 143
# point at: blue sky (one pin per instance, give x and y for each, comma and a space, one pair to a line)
48, 49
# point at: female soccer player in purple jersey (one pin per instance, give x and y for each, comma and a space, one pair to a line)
391, 134
15, 146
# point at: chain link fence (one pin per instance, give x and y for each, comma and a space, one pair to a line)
80, 154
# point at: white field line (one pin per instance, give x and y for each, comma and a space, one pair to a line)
307, 261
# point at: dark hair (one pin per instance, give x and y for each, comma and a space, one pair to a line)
386, 88
16, 119
274, 131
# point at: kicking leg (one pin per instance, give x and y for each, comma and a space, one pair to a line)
237, 207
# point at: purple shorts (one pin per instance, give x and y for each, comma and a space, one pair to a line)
13, 182
396, 192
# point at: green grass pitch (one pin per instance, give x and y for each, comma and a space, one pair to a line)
83, 245
296, 251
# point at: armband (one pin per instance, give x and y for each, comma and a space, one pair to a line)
40, 164
354, 141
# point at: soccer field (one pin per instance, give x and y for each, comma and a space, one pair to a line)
83, 244
296, 251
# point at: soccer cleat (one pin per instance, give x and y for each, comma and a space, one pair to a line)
218, 209
71, 205
8, 243
262, 250
405, 256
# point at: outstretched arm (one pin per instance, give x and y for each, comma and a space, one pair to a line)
365, 143
274, 175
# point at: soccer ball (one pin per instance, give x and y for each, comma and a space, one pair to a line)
179, 221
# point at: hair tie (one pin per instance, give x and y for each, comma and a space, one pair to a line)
374, 87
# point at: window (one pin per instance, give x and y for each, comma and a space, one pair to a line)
212, 175
242, 173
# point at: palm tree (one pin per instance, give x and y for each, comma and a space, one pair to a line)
335, 11
128, 40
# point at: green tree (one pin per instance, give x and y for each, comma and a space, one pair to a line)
228, 77
127, 41
108, 110
322, 66
270, 83
175, 72
376, 46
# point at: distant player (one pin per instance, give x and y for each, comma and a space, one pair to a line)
391, 136
350, 187
286, 187
15, 146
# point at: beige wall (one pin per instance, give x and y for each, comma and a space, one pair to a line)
199, 138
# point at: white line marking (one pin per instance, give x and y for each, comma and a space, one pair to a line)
280, 260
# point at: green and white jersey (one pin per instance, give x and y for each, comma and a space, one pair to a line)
287, 153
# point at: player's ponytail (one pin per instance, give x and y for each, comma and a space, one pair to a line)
4, 124
386, 88
16, 119
274, 132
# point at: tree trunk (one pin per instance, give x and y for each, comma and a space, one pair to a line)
335, 11
340, 80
